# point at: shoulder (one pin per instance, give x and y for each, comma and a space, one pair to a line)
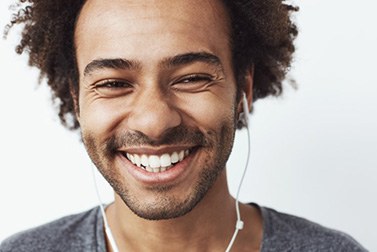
71, 233
284, 232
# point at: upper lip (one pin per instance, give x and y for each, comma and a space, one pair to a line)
155, 150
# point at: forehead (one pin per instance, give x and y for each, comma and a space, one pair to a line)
141, 28
204, 12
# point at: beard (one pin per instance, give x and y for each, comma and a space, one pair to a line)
215, 146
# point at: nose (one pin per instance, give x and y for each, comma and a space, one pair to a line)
153, 114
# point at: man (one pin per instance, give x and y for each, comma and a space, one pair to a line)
156, 89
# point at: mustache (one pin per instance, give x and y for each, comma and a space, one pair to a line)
180, 135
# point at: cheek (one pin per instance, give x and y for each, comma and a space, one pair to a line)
211, 111
100, 117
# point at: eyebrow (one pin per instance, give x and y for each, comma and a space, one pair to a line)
169, 62
192, 57
110, 64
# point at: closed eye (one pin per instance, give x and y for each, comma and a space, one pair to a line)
194, 78
113, 88
194, 83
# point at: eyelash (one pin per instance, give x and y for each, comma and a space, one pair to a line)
194, 78
113, 84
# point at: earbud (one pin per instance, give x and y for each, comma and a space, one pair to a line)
245, 109
243, 119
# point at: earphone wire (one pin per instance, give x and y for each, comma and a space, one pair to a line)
107, 227
239, 222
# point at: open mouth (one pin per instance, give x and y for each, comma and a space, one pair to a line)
157, 163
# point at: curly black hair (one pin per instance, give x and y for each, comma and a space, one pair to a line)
262, 36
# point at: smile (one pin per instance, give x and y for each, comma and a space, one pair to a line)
156, 163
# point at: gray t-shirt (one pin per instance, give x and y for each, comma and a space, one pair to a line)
84, 232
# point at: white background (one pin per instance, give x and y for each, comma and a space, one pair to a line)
314, 150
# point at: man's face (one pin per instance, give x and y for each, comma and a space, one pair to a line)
156, 99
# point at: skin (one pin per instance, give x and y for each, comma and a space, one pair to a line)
157, 105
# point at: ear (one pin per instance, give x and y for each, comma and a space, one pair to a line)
247, 89
75, 98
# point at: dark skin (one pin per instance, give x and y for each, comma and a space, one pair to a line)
149, 37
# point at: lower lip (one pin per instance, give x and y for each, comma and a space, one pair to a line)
173, 174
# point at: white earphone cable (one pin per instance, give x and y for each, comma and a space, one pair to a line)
106, 224
239, 223
245, 119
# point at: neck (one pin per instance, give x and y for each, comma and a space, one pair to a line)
208, 227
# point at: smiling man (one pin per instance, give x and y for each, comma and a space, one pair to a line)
155, 88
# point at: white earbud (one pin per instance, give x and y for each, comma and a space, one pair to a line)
246, 110
243, 119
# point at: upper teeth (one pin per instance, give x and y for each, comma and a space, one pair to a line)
154, 163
